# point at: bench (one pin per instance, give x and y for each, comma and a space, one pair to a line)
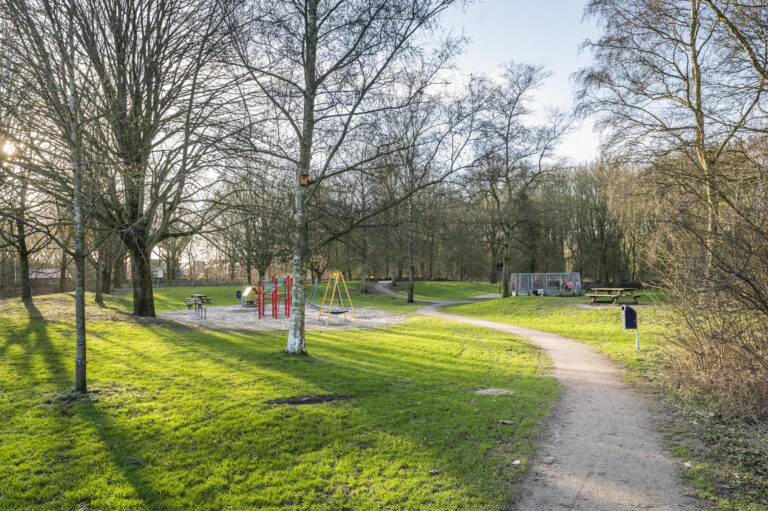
612, 298
595, 297
191, 302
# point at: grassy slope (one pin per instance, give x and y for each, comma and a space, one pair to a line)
448, 290
177, 416
599, 327
727, 466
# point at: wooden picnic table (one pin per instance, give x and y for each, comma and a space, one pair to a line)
201, 297
614, 294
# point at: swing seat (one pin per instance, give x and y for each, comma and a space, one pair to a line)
334, 311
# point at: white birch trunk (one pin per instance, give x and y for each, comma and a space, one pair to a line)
296, 344
79, 220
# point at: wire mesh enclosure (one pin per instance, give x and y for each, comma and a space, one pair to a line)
549, 284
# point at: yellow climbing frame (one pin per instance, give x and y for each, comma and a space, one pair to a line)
337, 282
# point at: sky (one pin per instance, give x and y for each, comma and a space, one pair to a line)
547, 32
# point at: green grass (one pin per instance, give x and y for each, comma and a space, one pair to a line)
601, 327
169, 299
177, 415
458, 291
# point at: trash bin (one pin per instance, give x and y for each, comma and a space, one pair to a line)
628, 317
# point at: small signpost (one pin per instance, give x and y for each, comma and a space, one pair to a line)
629, 322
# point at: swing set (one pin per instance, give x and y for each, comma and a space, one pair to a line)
336, 284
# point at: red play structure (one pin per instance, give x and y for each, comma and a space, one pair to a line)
276, 291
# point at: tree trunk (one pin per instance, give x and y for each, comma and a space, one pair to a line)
80, 346
63, 264
493, 276
141, 275
410, 249
505, 292
106, 277
79, 220
261, 273
118, 272
364, 276
23, 252
296, 343
248, 269
99, 276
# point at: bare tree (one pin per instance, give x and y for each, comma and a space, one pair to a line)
156, 99
664, 87
516, 153
49, 63
323, 67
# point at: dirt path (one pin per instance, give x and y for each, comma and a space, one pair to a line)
600, 448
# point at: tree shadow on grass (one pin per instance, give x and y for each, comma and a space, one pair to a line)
211, 389
397, 395
48, 392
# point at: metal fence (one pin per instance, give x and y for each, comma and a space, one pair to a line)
551, 284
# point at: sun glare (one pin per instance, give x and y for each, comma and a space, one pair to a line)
9, 148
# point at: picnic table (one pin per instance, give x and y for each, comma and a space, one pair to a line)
613, 294
201, 297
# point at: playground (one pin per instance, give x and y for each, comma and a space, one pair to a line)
237, 317
267, 305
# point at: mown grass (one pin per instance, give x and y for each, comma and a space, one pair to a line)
178, 418
169, 299
433, 290
598, 326
725, 456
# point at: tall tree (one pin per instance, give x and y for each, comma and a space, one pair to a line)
323, 67
51, 68
516, 153
665, 88
156, 99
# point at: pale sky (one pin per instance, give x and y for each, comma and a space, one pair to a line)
547, 32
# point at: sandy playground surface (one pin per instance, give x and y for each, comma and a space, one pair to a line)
235, 317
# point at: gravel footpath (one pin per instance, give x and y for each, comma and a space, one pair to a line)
601, 448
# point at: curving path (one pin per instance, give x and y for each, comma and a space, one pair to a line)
600, 448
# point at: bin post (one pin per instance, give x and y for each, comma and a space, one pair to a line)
629, 322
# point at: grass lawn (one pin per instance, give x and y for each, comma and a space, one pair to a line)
601, 327
180, 417
728, 464
432, 290
169, 299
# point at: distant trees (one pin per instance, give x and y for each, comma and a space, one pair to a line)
254, 226
516, 154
